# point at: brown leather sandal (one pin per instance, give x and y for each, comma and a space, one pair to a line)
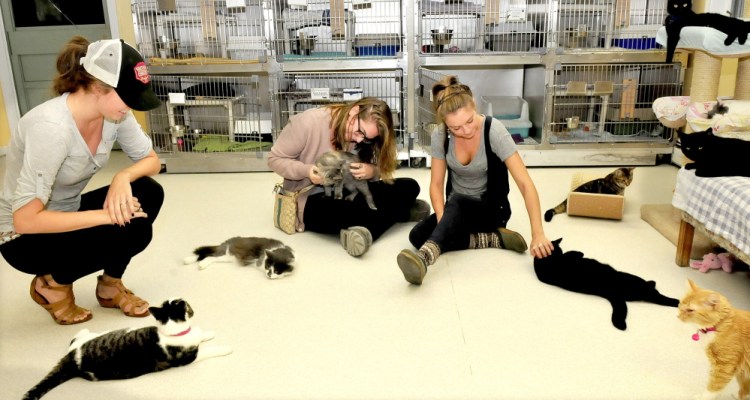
122, 299
67, 305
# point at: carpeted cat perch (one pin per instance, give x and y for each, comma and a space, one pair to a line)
665, 218
742, 88
709, 49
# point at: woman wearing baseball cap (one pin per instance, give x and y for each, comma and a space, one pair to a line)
51, 229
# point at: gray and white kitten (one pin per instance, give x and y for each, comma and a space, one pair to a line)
128, 353
274, 257
335, 168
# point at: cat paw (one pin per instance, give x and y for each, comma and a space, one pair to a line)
223, 350
706, 396
208, 335
203, 264
190, 259
207, 351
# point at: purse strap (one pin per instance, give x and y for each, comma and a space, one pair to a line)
279, 188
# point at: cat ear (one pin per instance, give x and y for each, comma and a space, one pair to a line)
692, 285
712, 299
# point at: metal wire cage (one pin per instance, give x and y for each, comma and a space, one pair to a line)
610, 102
426, 118
209, 115
172, 32
533, 26
333, 29
481, 26
300, 91
606, 24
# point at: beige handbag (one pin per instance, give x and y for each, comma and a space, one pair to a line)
285, 208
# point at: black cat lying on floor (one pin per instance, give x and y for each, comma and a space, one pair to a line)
715, 156
681, 15
571, 271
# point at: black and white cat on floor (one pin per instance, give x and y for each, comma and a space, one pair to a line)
128, 353
714, 156
681, 15
572, 271
272, 256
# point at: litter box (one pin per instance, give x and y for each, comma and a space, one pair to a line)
512, 111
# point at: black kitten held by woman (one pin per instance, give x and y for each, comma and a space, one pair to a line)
614, 183
681, 15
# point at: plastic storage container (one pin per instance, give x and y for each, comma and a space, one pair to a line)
512, 111
634, 37
377, 44
510, 37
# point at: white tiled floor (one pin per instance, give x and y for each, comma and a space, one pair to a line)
481, 327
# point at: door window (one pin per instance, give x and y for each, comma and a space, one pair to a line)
35, 13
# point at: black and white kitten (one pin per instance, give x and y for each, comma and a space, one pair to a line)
274, 257
335, 168
128, 353
713, 156
571, 271
681, 15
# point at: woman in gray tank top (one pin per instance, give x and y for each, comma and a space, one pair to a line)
474, 153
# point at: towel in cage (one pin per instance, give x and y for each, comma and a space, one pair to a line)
214, 144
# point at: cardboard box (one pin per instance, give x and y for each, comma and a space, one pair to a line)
595, 205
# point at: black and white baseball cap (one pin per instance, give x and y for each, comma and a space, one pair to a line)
119, 65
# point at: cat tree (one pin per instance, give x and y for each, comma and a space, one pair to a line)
707, 68
742, 88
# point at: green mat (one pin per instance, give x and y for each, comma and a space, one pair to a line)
214, 144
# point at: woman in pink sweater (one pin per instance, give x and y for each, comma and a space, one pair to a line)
364, 127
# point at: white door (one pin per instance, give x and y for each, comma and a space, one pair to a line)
36, 32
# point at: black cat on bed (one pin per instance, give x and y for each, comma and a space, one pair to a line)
572, 271
715, 156
681, 15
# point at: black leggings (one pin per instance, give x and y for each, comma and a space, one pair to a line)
69, 256
462, 216
327, 215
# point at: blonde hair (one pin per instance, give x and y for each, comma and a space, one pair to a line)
71, 76
384, 146
449, 96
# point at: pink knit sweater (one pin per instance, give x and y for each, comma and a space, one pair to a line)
305, 137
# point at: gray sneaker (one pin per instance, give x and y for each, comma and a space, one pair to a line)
512, 240
412, 266
356, 240
419, 211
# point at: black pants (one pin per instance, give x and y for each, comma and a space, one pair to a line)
327, 215
69, 256
462, 215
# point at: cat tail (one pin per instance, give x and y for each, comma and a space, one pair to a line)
205, 251
559, 209
619, 313
64, 371
660, 299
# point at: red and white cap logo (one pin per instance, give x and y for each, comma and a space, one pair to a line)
141, 72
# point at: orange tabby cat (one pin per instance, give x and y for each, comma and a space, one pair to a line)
726, 331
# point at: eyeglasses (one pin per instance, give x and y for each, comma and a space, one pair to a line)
362, 134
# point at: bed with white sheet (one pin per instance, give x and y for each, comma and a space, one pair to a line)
706, 39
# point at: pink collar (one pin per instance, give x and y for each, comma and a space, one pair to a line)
186, 331
697, 335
